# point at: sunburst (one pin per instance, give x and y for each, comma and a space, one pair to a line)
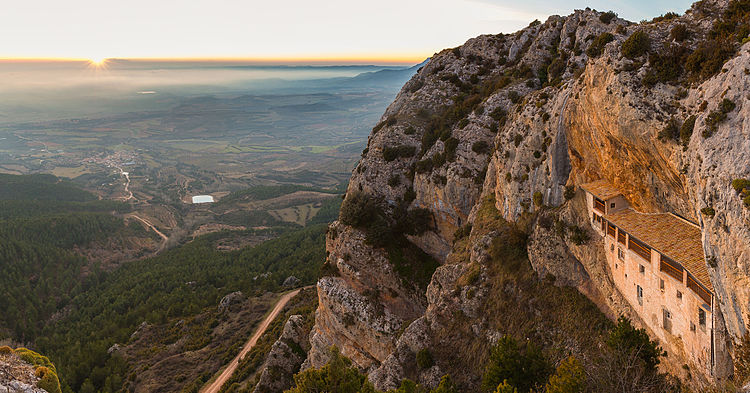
98, 62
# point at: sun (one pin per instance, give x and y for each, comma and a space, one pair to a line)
97, 62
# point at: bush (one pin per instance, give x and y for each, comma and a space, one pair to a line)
446, 386
569, 377
708, 211
670, 131
570, 192
538, 199
394, 180
607, 17
740, 185
686, 130
717, 117
338, 375
597, 46
578, 236
480, 147
636, 45
635, 342
521, 366
416, 221
679, 33
358, 209
424, 359
409, 131
4, 350
400, 151
514, 97
505, 387
708, 58
424, 166
462, 232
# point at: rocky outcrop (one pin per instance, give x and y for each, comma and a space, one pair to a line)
285, 358
521, 120
16, 375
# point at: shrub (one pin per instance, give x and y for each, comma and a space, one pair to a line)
480, 147
357, 209
394, 180
570, 192
670, 131
400, 151
499, 114
726, 106
514, 97
463, 123
410, 131
521, 366
708, 211
450, 150
338, 375
50, 382
578, 236
505, 387
462, 232
569, 377
746, 201
635, 342
4, 350
424, 359
708, 58
416, 221
446, 386
712, 122
636, 45
686, 130
740, 185
665, 66
597, 46
679, 33
607, 17
538, 198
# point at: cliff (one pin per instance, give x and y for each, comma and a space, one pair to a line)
498, 133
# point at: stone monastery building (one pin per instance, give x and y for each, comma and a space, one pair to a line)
657, 263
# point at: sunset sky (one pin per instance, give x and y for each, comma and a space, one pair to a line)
347, 30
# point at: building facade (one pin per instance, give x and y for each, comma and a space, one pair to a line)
657, 263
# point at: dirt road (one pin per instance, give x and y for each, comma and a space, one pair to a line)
215, 386
153, 228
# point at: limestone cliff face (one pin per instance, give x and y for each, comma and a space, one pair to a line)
518, 118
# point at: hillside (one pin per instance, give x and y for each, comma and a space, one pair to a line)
464, 221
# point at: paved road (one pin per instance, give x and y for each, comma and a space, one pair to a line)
215, 386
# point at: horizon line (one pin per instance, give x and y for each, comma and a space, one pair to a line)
359, 60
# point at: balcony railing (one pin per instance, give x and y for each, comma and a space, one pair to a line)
599, 205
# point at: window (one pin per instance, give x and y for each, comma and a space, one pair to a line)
612, 205
692, 327
641, 269
679, 295
599, 205
639, 292
702, 318
611, 247
620, 254
667, 320
661, 285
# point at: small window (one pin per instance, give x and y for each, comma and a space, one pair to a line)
639, 292
620, 254
667, 320
641, 269
661, 285
692, 327
702, 318
611, 247
612, 205
679, 295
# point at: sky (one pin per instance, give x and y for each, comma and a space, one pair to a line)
345, 31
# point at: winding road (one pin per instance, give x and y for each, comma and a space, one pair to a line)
217, 383
153, 228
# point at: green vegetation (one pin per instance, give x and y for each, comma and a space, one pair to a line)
686, 130
400, 151
538, 201
259, 193
570, 192
176, 284
607, 17
636, 45
679, 33
43, 368
41, 220
337, 376
521, 366
480, 147
717, 117
570, 377
424, 359
742, 186
597, 46
708, 211
742, 360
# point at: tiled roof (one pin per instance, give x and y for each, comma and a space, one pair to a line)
669, 235
601, 189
